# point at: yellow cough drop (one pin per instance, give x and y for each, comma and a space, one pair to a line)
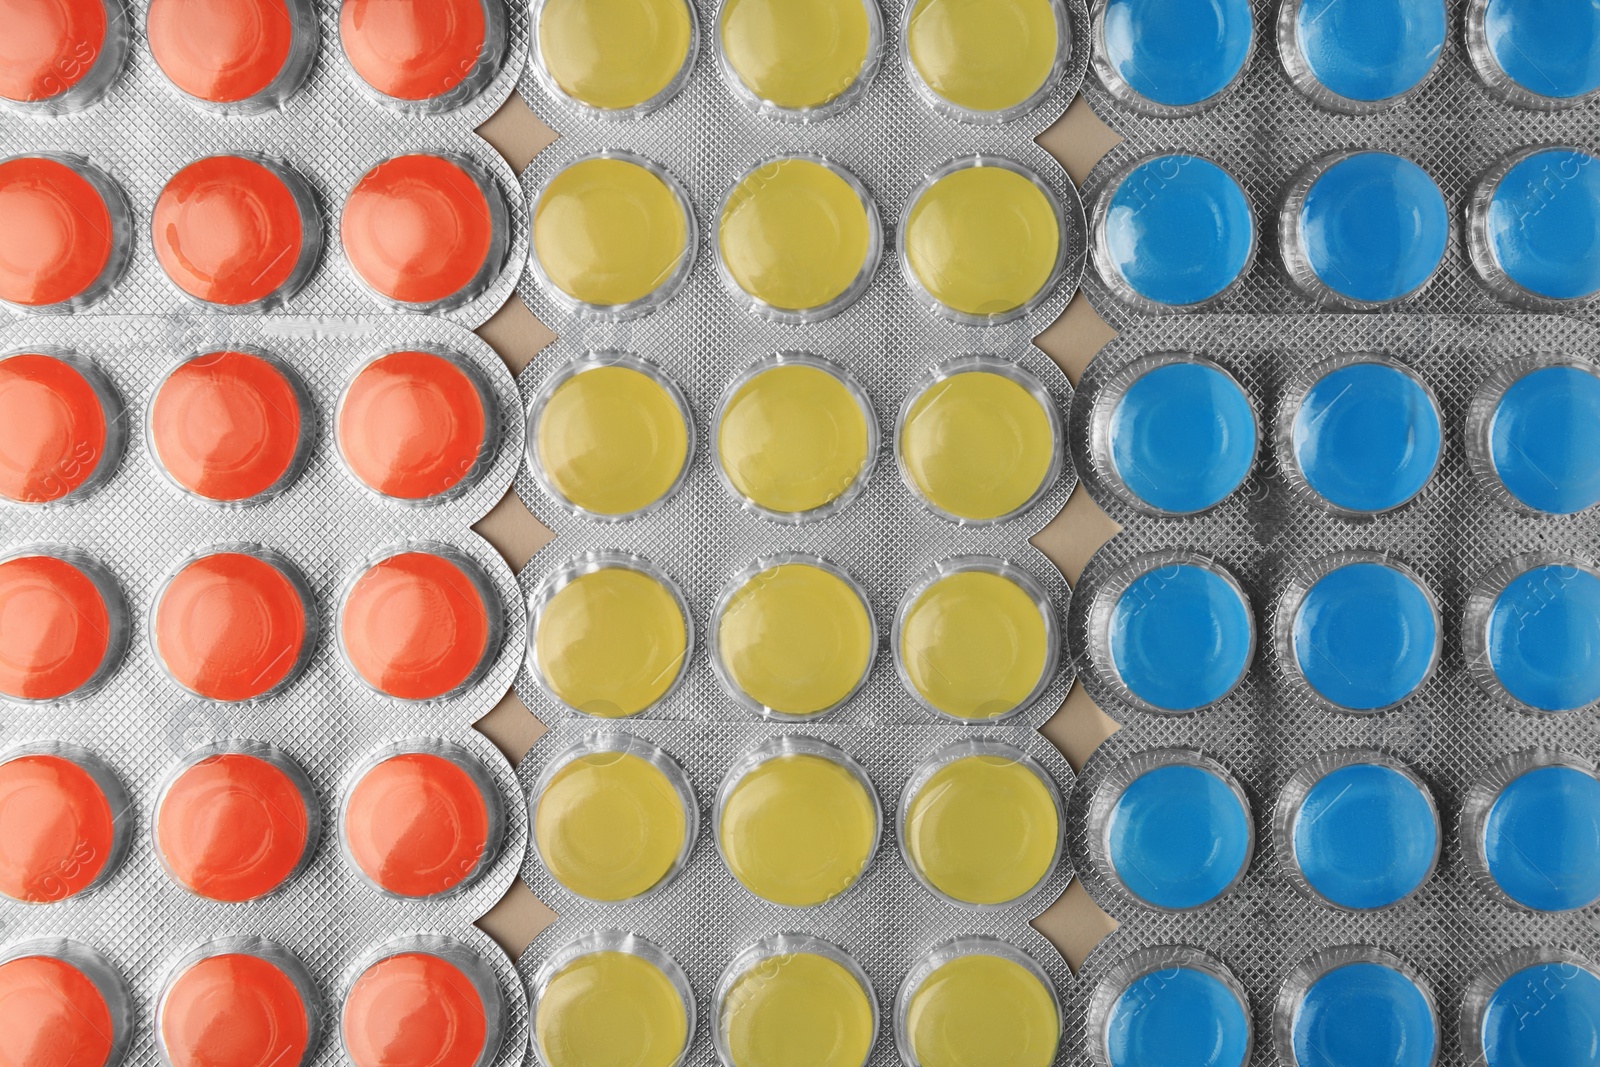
610, 1008
974, 644
609, 826
983, 240
977, 445
608, 232
610, 643
792, 439
795, 638
978, 1010
983, 55
796, 54
797, 1009
798, 829
614, 54
794, 235
982, 829
611, 440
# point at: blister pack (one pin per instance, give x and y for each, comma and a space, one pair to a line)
1330, 678
177, 158
227, 621
244, 625
792, 442
1350, 624
1437, 198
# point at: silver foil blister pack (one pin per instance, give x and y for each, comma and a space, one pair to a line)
327, 528
703, 341
1275, 538
1484, 964
322, 134
887, 921
1270, 137
135, 526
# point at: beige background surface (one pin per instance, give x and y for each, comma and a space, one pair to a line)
1073, 922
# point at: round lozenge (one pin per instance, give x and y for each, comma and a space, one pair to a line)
58, 428
1544, 439
979, 444
610, 1006
983, 240
1561, 1028
797, 55
1365, 635
1176, 231
1183, 1015
1179, 835
611, 641
1363, 1012
237, 1009
1370, 228
236, 231
611, 235
235, 825
1366, 436
612, 438
228, 427
1363, 54
62, 52
1542, 637
1540, 54
980, 1007
610, 825
432, 1005
1170, 55
799, 827
233, 625
61, 627
416, 51
63, 232
615, 55
415, 426
425, 231
1182, 437
420, 823
230, 52
794, 437
1179, 636
60, 1007
982, 58
975, 643
794, 637
1534, 227
1540, 839
62, 824
982, 829
418, 625
797, 236
1365, 835
796, 1009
